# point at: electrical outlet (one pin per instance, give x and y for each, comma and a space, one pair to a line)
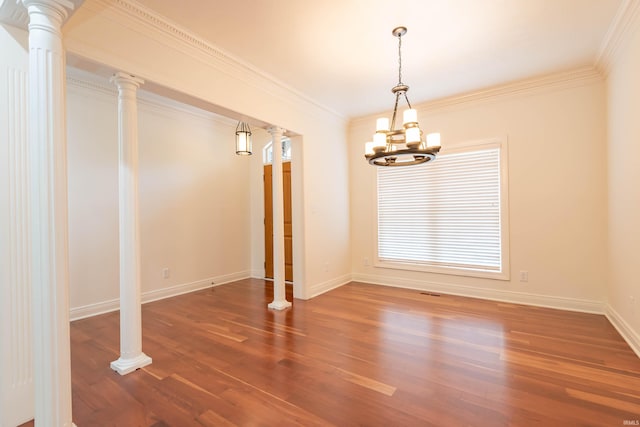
165, 273
524, 276
365, 261
326, 267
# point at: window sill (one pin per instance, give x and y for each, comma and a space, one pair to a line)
455, 271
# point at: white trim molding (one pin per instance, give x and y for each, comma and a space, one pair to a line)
258, 274
90, 310
549, 82
324, 287
548, 301
83, 82
77, 82
108, 306
184, 288
145, 21
623, 24
630, 336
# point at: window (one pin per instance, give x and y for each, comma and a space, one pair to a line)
449, 216
267, 152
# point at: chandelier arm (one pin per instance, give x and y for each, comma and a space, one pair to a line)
407, 99
395, 111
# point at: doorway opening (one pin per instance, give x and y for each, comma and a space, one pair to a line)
268, 211
268, 222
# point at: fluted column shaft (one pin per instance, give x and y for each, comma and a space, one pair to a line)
279, 295
131, 355
49, 241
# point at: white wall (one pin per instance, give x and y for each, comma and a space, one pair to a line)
16, 373
555, 128
92, 153
194, 197
126, 38
623, 102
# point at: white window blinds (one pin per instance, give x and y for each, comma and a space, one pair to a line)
444, 214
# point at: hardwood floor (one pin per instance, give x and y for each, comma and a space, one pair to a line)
359, 355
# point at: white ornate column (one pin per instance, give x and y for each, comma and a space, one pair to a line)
49, 228
131, 355
279, 294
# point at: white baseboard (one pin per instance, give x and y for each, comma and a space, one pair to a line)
258, 274
321, 288
630, 336
184, 288
562, 303
89, 310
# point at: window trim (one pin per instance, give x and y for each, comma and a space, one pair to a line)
504, 273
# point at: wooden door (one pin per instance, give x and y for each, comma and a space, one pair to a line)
268, 222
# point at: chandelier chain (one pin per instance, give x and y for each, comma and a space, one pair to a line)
399, 59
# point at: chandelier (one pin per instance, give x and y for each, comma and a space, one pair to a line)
405, 146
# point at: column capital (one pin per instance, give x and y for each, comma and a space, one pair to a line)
61, 7
276, 130
122, 79
14, 13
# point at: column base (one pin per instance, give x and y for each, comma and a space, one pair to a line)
125, 366
279, 305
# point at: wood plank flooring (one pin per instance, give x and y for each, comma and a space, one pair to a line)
360, 355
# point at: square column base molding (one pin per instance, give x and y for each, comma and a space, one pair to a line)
125, 366
279, 305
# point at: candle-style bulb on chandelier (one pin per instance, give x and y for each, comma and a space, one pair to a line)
404, 146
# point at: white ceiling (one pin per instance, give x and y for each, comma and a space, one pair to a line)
341, 53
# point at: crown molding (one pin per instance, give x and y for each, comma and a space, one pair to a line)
623, 24
169, 107
143, 20
77, 79
556, 81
